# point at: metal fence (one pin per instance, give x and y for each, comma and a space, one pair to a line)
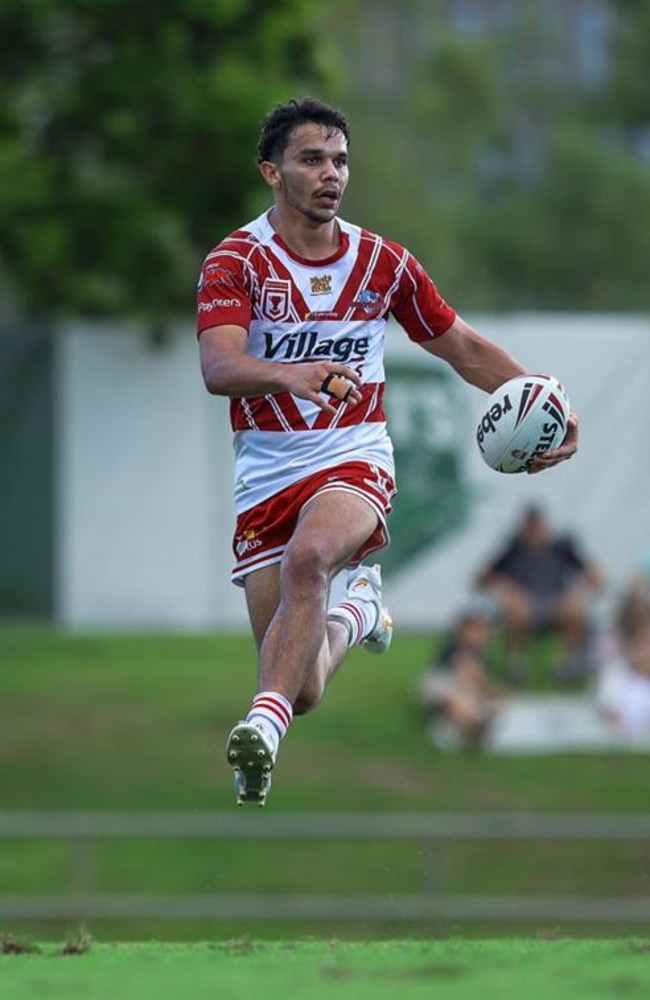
82, 830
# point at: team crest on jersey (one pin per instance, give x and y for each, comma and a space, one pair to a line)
369, 301
217, 274
321, 285
275, 301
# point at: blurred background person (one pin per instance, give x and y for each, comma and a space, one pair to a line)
542, 582
459, 698
634, 612
623, 679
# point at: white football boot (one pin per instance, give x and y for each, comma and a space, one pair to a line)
364, 584
252, 760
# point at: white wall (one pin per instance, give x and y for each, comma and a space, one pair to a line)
602, 494
145, 471
144, 466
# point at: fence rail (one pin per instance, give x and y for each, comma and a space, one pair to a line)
321, 826
84, 829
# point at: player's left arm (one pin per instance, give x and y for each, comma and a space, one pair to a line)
477, 360
486, 365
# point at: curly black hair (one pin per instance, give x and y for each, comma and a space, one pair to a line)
279, 124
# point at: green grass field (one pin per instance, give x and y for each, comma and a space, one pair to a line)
139, 723
239, 969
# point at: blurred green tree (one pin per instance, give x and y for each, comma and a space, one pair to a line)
127, 131
423, 137
518, 176
574, 234
626, 102
127, 141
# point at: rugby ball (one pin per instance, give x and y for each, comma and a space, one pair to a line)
524, 417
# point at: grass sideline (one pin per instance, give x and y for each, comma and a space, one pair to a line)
322, 970
138, 722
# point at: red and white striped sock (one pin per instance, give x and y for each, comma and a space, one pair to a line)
272, 714
360, 617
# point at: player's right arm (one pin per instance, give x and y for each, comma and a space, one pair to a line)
224, 304
229, 371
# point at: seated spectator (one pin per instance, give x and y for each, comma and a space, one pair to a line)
542, 582
457, 694
623, 683
634, 611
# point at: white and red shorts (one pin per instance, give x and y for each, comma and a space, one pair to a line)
263, 532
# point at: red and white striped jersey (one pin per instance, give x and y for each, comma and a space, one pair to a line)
299, 310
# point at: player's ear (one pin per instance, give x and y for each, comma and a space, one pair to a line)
270, 173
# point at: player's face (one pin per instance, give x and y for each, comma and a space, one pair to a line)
313, 172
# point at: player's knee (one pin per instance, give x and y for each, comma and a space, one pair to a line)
306, 563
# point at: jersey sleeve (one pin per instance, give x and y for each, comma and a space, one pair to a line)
418, 306
223, 294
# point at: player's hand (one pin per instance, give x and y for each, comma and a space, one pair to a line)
320, 381
566, 450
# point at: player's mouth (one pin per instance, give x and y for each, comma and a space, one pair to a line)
329, 198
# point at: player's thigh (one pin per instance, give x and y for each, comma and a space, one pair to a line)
262, 589
331, 528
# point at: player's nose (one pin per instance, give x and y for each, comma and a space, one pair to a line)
329, 171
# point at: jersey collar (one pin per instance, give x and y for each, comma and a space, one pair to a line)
341, 250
